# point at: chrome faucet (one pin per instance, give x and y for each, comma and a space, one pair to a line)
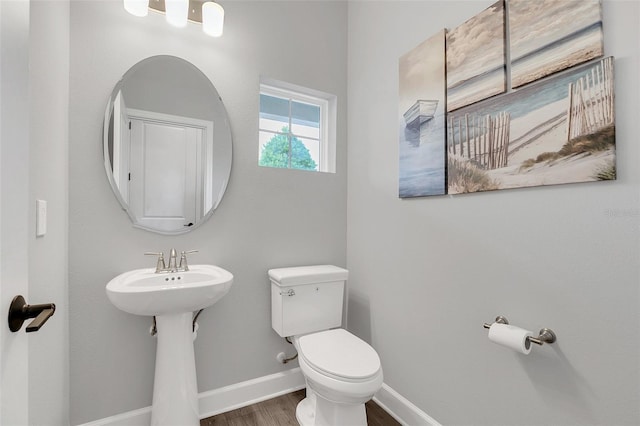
173, 263
183, 260
160, 267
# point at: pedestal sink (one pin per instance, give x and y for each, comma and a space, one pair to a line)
172, 298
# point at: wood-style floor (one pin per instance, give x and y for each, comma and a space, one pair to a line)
281, 411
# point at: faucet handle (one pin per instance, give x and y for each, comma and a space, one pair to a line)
160, 266
183, 259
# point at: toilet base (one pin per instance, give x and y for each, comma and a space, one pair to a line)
305, 413
327, 413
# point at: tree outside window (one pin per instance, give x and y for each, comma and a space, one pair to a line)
284, 150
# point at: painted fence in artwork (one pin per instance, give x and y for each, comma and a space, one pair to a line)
484, 140
591, 101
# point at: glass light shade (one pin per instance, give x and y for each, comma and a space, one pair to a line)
212, 18
177, 12
137, 7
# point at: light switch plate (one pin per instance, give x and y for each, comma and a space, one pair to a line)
41, 218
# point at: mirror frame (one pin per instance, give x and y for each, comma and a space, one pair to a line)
221, 130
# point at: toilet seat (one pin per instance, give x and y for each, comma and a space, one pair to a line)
340, 355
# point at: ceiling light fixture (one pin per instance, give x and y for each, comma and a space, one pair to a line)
178, 12
137, 7
212, 18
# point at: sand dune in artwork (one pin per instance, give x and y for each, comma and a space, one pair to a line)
547, 135
542, 130
572, 169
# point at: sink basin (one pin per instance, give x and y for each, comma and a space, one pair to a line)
143, 292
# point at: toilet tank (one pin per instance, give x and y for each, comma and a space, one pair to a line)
306, 299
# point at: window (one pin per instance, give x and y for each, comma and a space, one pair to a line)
296, 128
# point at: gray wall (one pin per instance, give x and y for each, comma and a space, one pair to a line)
48, 172
268, 217
426, 273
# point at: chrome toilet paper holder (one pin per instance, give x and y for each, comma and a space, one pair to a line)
546, 335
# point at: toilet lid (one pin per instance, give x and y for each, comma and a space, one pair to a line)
339, 353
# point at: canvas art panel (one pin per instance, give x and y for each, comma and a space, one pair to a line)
547, 36
555, 131
476, 66
421, 119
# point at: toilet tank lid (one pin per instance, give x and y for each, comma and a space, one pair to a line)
300, 275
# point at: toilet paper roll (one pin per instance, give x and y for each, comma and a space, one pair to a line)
512, 337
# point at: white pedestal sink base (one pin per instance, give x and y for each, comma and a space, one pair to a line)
175, 390
172, 297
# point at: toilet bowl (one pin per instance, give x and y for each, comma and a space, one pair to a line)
341, 371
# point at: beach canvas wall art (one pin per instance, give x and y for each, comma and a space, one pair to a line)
476, 58
421, 119
555, 131
548, 36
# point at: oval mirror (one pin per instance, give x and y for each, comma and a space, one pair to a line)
167, 145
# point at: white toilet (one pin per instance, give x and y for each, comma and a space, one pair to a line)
342, 372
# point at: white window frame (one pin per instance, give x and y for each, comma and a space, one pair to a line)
328, 113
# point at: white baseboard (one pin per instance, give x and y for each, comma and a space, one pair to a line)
130, 418
256, 390
221, 400
401, 408
250, 392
